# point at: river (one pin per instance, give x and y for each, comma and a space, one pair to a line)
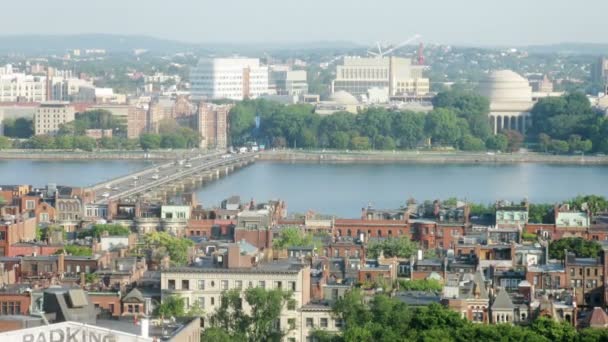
343, 189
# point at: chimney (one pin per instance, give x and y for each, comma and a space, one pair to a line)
61, 263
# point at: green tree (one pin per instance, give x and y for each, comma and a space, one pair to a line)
291, 237
176, 248
173, 306
64, 142
580, 247
559, 146
471, 143
360, 143
5, 143
385, 143
20, 128
84, 143
42, 142
541, 213
420, 285
97, 230
442, 126
109, 143
340, 140
257, 324
75, 250
544, 142
469, 106
498, 142
401, 247
150, 141
408, 128
552, 330
593, 203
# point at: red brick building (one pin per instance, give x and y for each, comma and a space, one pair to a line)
370, 228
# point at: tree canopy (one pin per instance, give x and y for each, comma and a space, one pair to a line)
388, 319
401, 247
98, 229
580, 247
231, 323
175, 247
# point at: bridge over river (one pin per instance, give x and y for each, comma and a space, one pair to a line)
170, 177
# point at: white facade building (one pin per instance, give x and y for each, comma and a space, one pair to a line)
510, 98
229, 78
51, 115
17, 86
357, 75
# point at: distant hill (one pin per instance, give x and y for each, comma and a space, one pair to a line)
37, 44
570, 48
62, 43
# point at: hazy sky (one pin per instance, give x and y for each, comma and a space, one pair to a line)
472, 22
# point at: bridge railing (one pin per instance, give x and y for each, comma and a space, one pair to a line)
180, 174
145, 171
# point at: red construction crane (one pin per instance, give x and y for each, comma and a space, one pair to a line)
421, 53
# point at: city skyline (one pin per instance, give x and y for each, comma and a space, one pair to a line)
478, 23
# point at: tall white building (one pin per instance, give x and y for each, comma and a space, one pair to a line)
22, 87
229, 78
395, 75
50, 116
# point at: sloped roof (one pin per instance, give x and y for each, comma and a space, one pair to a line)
503, 301
480, 284
134, 295
598, 319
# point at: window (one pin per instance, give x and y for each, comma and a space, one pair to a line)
44, 217
477, 316
136, 308
291, 304
212, 301
292, 285
201, 284
30, 204
588, 272
171, 284
185, 284
572, 272
278, 284
323, 322
262, 284
224, 284
309, 323
130, 308
291, 322
338, 323
201, 302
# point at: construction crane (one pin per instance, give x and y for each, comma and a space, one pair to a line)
392, 49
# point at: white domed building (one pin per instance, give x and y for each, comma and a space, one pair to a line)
510, 97
340, 101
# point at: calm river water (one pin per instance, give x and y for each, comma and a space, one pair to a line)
342, 190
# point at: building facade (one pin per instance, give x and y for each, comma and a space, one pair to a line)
50, 116
394, 74
212, 125
229, 78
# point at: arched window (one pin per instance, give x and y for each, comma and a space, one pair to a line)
348, 233
379, 233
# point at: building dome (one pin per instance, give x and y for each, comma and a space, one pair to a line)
344, 98
505, 86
